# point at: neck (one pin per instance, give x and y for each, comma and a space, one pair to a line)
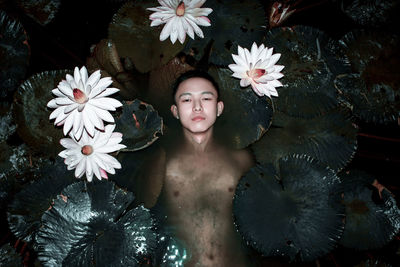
199, 142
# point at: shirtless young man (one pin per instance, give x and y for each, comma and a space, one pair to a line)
198, 178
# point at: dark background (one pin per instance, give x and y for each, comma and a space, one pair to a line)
65, 43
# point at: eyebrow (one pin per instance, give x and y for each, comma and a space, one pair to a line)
203, 93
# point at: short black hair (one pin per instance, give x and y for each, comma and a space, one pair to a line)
194, 74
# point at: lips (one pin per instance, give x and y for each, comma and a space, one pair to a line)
198, 118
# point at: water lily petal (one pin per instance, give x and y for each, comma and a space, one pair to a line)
80, 168
94, 78
104, 114
88, 123
100, 86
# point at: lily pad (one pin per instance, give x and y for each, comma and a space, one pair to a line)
246, 116
105, 57
26, 209
135, 165
8, 186
371, 222
88, 225
311, 61
298, 216
32, 115
9, 257
331, 139
377, 103
372, 53
42, 11
7, 123
371, 13
135, 39
373, 91
14, 158
140, 125
161, 79
14, 54
233, 23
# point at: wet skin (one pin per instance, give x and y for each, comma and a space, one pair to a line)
198, 178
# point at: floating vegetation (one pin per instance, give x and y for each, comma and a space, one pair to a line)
372, 216
372, 13
105, 57
9, 257
26, 209
14, 54
294, 211
140, 125
7, 124
42, 11
233, 23
134, 38
311, 62
88, 225
246, 116
372, 91
32, 117
330, 138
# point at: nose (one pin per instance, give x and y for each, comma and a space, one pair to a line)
197, 106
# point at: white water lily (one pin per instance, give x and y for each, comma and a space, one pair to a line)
180, 17
81, 102
257, 68
90, 155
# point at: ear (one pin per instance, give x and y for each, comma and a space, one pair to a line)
174, 111
220, 108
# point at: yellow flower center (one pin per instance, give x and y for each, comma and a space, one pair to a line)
79, 96
87, 150
180, 10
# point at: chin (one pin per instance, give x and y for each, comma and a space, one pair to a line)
198, 129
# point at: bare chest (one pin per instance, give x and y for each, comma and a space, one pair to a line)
201, 184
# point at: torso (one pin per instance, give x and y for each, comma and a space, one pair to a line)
197, 196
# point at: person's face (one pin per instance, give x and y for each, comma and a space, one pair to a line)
196, 105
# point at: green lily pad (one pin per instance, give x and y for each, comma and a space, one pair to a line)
8, 187
140, 125
246, 116
9, 257
370, 222
233, 23
135, 39
331, 139
293, 212
371, 13
7, 123
26, 209
377, 103
14, 54
373, 91
32, 115
88, 225
105, 57
42, 11
311, 61
372, 53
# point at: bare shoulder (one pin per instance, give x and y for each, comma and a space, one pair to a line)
244, 158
